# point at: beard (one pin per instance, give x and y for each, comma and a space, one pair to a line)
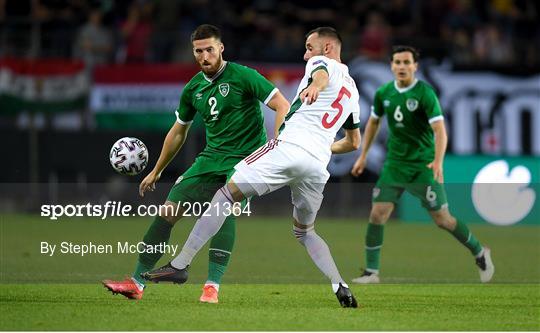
213, 69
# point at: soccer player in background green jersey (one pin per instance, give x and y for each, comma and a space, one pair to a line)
414, 161
226, 95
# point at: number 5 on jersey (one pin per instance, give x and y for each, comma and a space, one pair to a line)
336, 105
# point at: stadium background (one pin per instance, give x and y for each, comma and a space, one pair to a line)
77, 75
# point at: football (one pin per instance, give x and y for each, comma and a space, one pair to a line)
129, 156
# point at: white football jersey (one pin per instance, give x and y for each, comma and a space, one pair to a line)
314, 127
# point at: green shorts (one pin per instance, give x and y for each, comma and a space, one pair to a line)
416, 179
206, 175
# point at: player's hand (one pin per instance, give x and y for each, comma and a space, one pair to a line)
437, 171
359, 166
148, 183
310, 94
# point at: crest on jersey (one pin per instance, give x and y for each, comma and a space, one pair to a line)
386, 103
224, 89
412, 104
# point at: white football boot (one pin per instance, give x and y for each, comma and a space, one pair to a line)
485, 266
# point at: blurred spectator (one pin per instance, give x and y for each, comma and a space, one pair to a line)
461, 14
526, 32
399, 16
136, 32
268, 30
491, 47
94, 43
15, 28
349, 32
462, 50
318, 12
503, 13
59, 21
287, 44
165, 34
375, 39
431, 16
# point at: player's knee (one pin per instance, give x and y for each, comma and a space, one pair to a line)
380, 213
445, 221
304, 217
301, 231
169, 212
378, 217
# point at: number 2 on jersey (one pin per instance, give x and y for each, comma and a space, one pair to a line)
336, 105
212, 101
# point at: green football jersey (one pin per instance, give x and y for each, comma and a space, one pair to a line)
229, 107
410, 112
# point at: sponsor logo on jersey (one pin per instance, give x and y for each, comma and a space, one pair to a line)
376, 192
320, 61
224, 89
198, 95
178, 180
386, 103
412, 104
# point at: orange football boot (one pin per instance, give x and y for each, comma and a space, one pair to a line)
126, 287
209, 294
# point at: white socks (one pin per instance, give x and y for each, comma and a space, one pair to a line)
205, 228
320, 254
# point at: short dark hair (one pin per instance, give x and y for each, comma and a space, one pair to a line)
206, 31
405, 48
326, 32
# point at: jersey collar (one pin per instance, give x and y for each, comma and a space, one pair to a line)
211, 79
405, 89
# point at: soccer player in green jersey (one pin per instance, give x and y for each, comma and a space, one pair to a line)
226, 95
414, 161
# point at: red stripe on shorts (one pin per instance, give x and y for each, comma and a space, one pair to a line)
261, 148
269, 146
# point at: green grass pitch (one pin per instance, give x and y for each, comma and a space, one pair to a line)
429, 281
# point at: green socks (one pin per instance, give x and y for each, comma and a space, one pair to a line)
374, 241
159, 232
375, 235
465, 237
220, 250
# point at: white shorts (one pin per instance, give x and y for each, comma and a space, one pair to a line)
278, 164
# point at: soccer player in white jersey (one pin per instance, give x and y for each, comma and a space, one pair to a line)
326, 100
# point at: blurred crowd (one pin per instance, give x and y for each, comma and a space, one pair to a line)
466, 32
